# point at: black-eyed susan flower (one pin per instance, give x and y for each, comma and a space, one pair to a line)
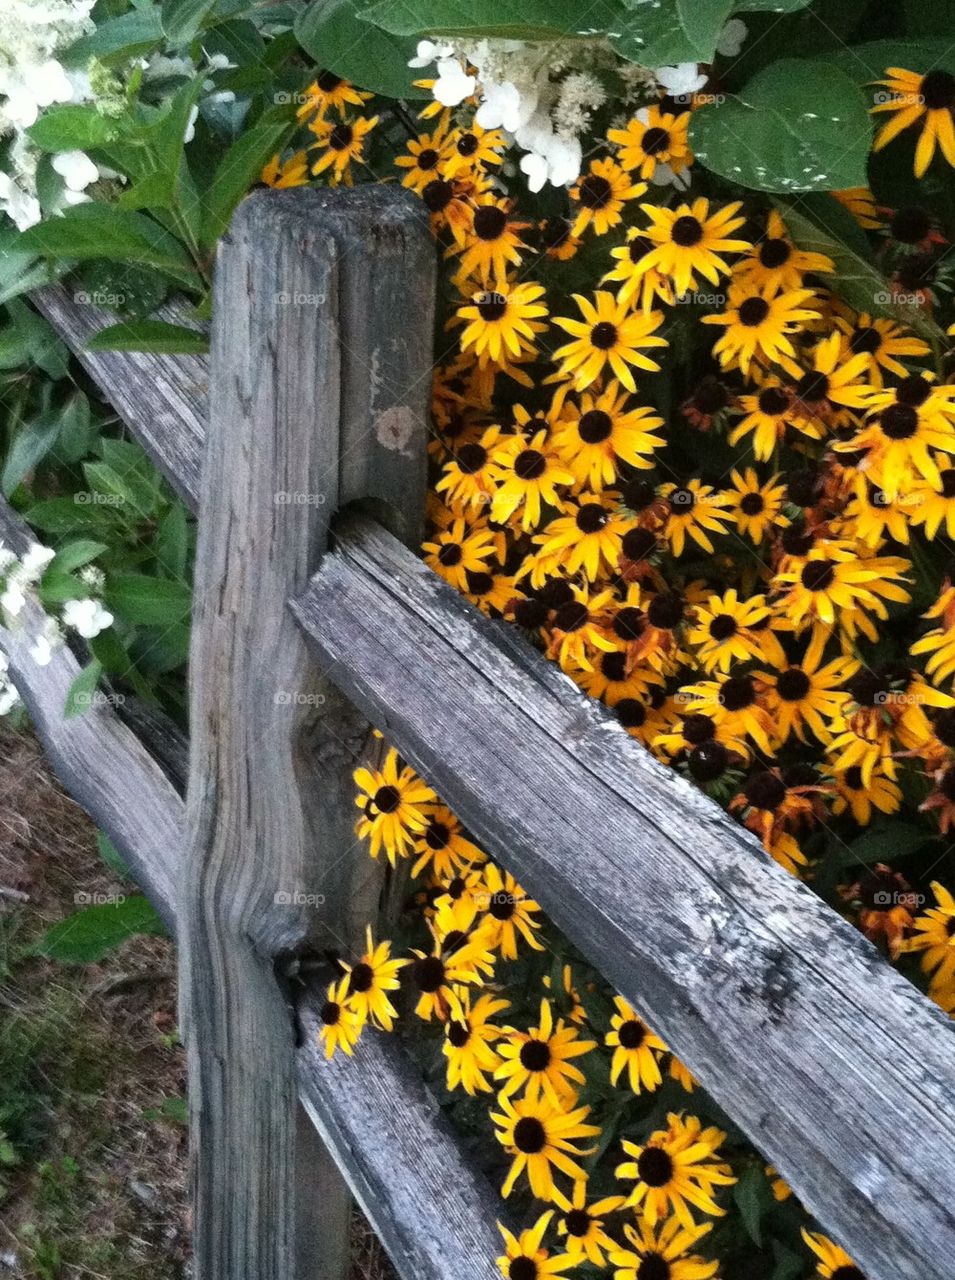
450, 964
458, 550
837, 580
540, 1060
676, 1168
469, 1040
809, 694
609, 334
598, 197
594, 438
666, 1252
588, 536
723, 629
883, 900
882, 341
340, 1024
582, 1225
930, 507
636, 1049
833, 1262
614, 680
329, 92
473, 150
899, 441
653, 137
370, 980
774, 260
425, 159
493, 245
448, 201
281, 174
773, 810
541, 1137
638, 281
859, 798
527, 474
441, 845
342, 145
524, 1256
766, 414
831, 384
924, 99
861, 204
394, 805
737, 704
690, 241
939, 643
695, 510
504, 320
756, 506
510, 914
758, 321
934, 942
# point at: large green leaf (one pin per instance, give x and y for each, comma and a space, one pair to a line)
797, 126
865, 63
80, 695
703, 20
532, 20
182, 19
855, 280
96, 230
30, 446
334, 35
771, 6
118, 39
240, 167
147, 601
72, 127
650, 32
92, 933
149, 335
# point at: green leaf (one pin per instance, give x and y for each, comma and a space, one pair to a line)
79, 699
70, 127
182, 19
372, 58
118, 39
73, 555
884, 841
78, 431
91, 934
751, 1194
171, 1108
865, 63
102, 231
46, 350
650, 33
111, 855
149, 335
532, 20
703, 20
240, 168
796, 126
172, 541
30, 446
771, 6
146, 601
65, 515
855, 280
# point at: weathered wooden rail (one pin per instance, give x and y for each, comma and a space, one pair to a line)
840, 1071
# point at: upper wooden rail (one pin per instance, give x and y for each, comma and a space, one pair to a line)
786, 1014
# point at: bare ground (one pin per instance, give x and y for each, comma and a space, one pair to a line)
93, 1152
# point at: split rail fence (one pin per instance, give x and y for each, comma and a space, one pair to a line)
301, 444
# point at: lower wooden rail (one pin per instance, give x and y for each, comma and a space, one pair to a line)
836, 1067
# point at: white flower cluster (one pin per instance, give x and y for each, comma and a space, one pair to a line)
18, 576
31, 79
530, 92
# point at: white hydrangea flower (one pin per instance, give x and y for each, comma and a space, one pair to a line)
86, 617
681, 81
76, 169
13, 599
7, 558
9, 697
452, 84
35, 560
191, 125
732, 37
428, 51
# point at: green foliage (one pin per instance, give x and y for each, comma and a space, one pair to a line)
149, 335
90, 934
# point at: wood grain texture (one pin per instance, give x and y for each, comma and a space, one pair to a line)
434, 1212
838, 1069
96, 756
163, 399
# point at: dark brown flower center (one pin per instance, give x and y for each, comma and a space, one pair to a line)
591, 517
361, 977
655, 140
751, 504
490, 222
817, 575
938, 90
793, 685
764, 790
723, 626
530, 464
535, 1055
665, 610
655, 1166
687, 231
632, 1034
458, 1034
594, 191
899, 421
604, 335
595, 426
774, 253
387, 799
340, 138
530, 1136
753, 312
773, 401
865, 340
428, 973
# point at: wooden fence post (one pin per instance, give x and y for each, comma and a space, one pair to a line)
271, 849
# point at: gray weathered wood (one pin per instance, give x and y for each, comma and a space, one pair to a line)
162, 398
838, 1069
98, 759
434, 1212
272, 846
